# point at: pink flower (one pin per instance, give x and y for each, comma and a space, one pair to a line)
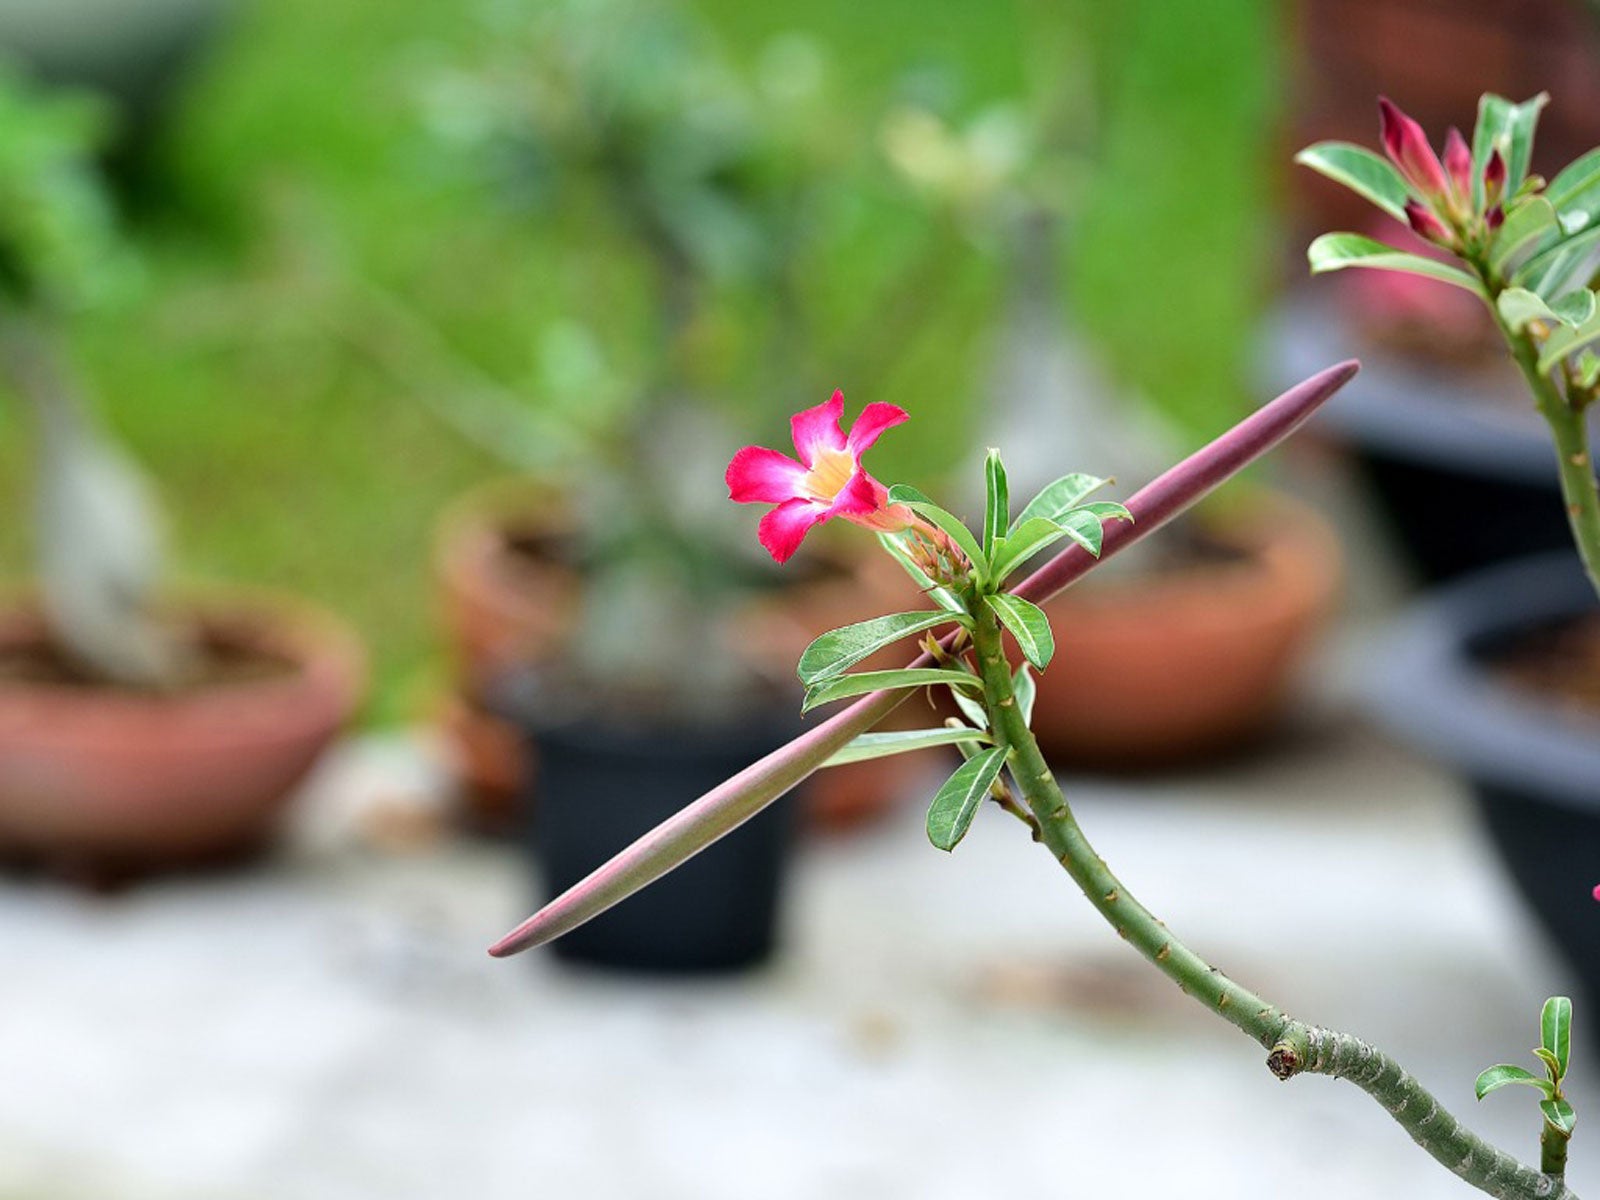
827, 481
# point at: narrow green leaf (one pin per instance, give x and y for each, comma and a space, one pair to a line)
1566, 341
903, 741
1528, 227
1026, 691
1509, 128
1552, 1064
1555, 1029
1057, 498
1559, 1113
971, 708
1337, 251
997, 502
1083, 527
1575, 193
902, 493
950, 815
1551, 271
859, 684
1363, 172
1503, 1073
1028, 539
840, 649
1028, 625
894, 543
1106, 510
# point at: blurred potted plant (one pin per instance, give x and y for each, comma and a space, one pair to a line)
135, 731
1103, 182
1495, 674
715, 190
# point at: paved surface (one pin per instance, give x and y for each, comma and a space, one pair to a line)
328, 1027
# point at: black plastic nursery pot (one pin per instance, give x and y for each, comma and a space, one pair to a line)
1534, 765
596, 789
1458, 460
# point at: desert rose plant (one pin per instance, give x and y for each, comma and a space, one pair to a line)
976, 607
1526, 247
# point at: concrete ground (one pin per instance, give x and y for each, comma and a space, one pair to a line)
328, 1027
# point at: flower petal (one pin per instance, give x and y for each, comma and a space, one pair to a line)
864, 501
818, 429
1408, 148
761, 476
782, 530
874, 419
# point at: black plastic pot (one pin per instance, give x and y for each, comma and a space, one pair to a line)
1459, 460
594, 791
1534, 766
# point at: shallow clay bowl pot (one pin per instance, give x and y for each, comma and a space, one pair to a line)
1152, 671
110, 780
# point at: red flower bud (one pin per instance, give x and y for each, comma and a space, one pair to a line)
1427, 224
1496, 217
1458, 165
1494, 178
1407, 147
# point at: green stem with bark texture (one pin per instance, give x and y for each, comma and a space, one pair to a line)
1295, 1048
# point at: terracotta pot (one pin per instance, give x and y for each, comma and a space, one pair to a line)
1156, 670
111, 782
503, 608
500, 606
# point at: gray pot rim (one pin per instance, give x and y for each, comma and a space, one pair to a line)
1454, 418
1427, 687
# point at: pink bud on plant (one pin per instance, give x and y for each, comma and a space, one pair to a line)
1495, 218
1407, 147
1458, 166
1426, 224
1494, 179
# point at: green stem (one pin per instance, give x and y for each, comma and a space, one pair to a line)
1569, 429
1553, 1150
1295, 1047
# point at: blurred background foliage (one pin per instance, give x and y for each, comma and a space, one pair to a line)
291, 413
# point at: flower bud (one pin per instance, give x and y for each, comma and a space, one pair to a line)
1425, 223
1407, 147
1458, 166
1494, 179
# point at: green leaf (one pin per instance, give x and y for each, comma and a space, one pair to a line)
894, 543
1565, 341
1106, 510
972, 708
1083, 527
1552, 1064
1555, 1029
1363, 172
1026, 691
1337, 251
863, 682
1034, 535
840, 649
1575, 192
902, 493
1527, 227
1028, 625
1057, 498
903, 741
1588, 369
1508, 127
1503, 1073
950, 815
1519, 306
1550, 271
997, 502
1559, 1113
